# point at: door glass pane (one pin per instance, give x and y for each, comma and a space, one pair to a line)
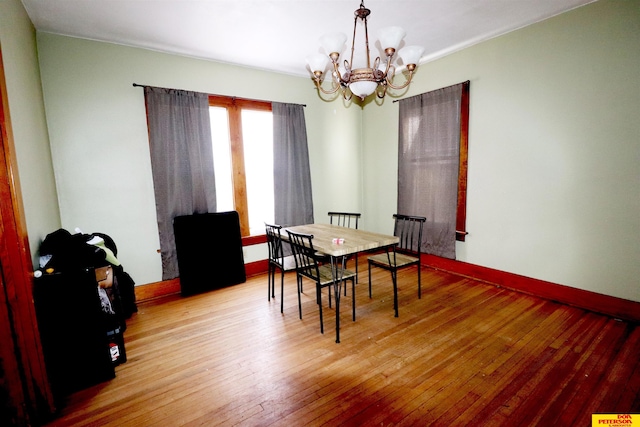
257, 136
222, 158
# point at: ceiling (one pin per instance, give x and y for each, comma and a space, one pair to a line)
277, 35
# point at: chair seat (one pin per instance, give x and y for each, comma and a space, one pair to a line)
326, 276
381, 260
287, 263
322, 257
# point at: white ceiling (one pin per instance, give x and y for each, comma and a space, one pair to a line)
277, 35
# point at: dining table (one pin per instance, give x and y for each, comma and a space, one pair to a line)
338, 243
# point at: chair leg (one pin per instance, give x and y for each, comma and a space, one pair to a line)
269, 282
273, 282
419, 282
356, 258
394, 278
344, 265
320, 306
369, 280
353, 297
281, 290
299, 286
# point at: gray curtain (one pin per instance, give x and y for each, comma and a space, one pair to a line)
292, 177
181, 161
428, 163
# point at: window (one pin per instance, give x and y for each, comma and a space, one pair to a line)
432, 165
242, 137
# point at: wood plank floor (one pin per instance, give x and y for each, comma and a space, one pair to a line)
466, 354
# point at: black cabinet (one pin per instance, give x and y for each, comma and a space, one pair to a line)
79, 340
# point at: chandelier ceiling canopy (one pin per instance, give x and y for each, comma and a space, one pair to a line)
366, 78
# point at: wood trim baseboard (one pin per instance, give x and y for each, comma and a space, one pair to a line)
151, 291
256, 267
604, 304
254, 240
155, 290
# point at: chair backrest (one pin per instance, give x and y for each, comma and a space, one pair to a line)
304, 254
274, 242
409, 230
344, 219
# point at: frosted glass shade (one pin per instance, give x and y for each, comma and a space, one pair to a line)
362, 89
391, 37
411, 54
333, 42
317, 62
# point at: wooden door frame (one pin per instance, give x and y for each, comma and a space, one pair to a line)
28, 394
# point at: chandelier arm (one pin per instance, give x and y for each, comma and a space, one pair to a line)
336, 76
327, 92
381, 94
392, 86
344, 94
390, 73
389, 66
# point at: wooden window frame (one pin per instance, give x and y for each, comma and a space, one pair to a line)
461, 212
234, 108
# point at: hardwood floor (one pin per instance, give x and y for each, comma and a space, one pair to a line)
466, 354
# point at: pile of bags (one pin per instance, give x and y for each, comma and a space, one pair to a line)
62, 251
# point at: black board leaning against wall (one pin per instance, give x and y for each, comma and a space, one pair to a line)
209, 250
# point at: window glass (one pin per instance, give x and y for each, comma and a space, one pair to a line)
222, 158
257, 137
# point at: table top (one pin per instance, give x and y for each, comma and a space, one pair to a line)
354, 240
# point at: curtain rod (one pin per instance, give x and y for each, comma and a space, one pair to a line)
455, 84
234, 97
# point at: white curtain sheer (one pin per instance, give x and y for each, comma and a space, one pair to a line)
292, 178
181, 160
428, 165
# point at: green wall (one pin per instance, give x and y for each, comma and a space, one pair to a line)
554, 143
26, 109
99, 142
554, 149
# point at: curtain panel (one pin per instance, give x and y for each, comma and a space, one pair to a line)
428, 165
181, 161
292, 178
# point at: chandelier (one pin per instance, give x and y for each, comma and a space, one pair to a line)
365, 80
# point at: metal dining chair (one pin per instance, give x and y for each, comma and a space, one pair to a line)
307, 266
344, 219
349, 220
407, 253
277, 260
